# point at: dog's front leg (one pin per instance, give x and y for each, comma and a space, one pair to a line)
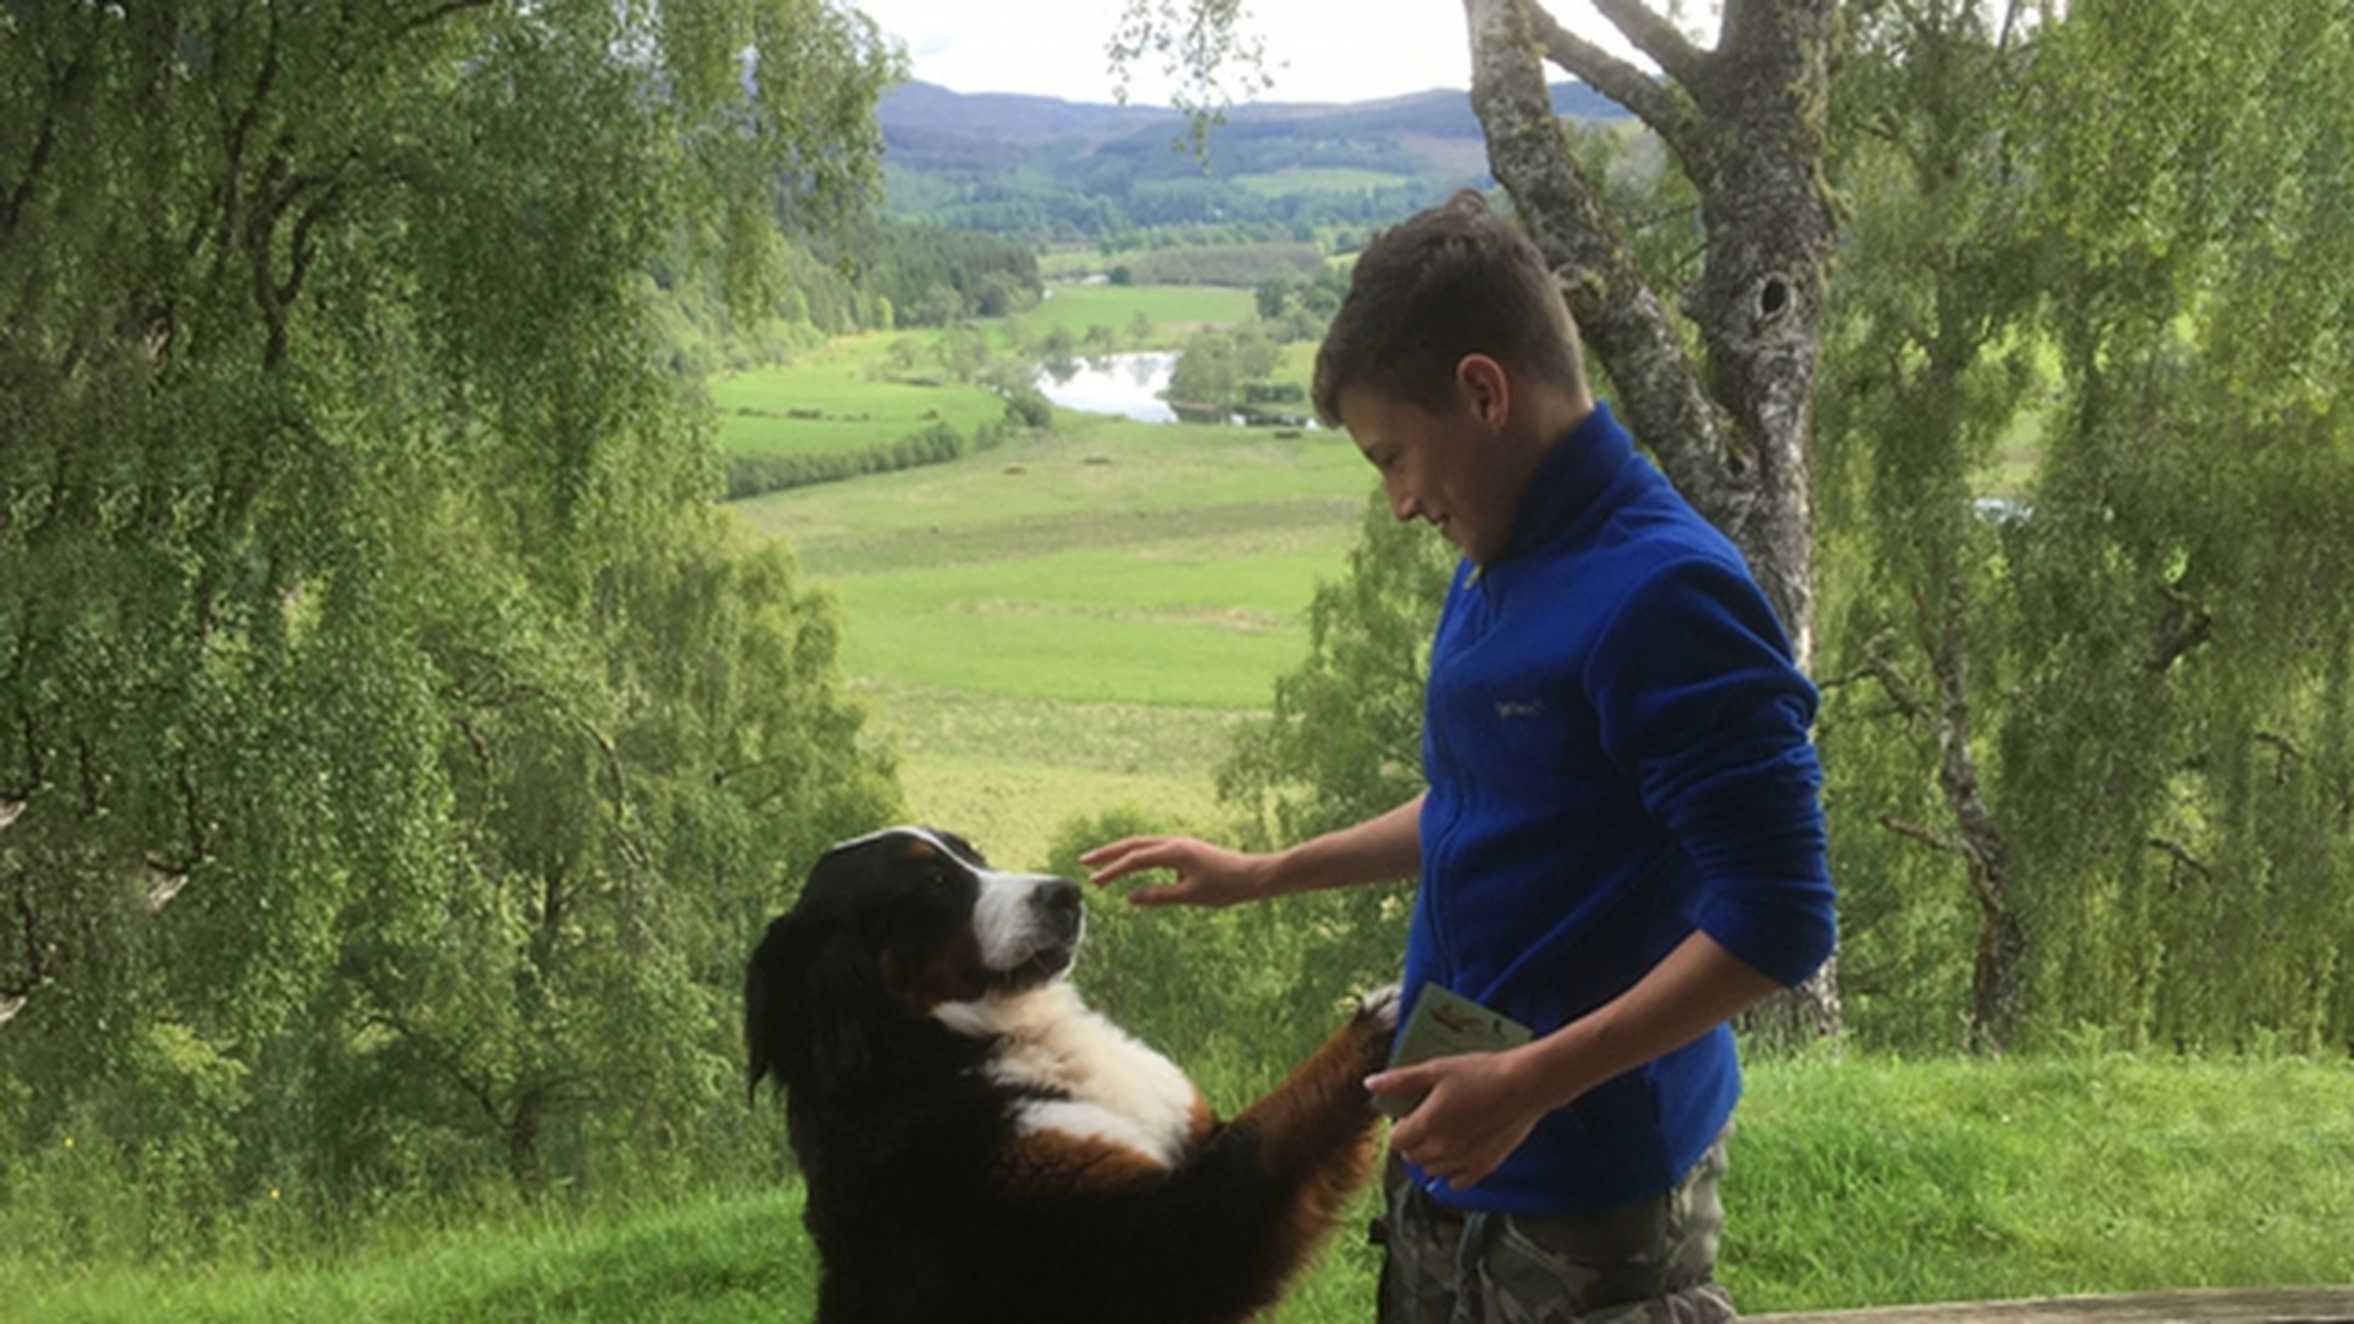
1315, 1131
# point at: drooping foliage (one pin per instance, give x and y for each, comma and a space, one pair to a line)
396, 748
2089, 508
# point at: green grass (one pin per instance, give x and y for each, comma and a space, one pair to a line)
1966, 1180
1864, 1182
712, 1259
858, 410
1095, 482
1200, 623
1071, 623
1174, 309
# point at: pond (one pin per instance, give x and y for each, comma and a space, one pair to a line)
1125, 384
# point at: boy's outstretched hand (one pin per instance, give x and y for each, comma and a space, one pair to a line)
1206, 875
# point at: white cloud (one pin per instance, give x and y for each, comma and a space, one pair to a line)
1318, 50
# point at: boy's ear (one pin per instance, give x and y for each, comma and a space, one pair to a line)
1486, 388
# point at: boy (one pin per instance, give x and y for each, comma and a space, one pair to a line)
1620, 846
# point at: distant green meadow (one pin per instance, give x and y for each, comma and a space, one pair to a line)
1175, 310
856, 406
1075, 622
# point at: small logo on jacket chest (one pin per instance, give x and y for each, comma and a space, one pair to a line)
1520, 707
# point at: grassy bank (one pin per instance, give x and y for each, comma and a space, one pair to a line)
1853, 1183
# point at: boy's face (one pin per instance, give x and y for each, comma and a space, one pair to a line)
1442, 466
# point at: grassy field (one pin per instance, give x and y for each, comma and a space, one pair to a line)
1175, 310
1075, 622
843, 384
1852, 1183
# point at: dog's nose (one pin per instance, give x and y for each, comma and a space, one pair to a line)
1059, 898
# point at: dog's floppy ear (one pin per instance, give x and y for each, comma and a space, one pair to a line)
809, 993
773, 1033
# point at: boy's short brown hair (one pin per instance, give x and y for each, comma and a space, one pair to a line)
1453, 280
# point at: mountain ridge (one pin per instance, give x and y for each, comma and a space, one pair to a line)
1050, 168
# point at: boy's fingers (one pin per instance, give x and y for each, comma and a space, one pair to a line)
1401, 1078
1110, 849
1156, 855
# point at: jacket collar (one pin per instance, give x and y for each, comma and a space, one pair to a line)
1569, 481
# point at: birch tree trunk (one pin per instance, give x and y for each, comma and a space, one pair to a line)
1746, 121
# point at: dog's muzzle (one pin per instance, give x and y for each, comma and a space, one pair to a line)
1029, 925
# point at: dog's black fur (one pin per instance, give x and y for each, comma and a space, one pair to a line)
930, 1198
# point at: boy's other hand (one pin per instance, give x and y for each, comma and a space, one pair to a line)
1478, 1109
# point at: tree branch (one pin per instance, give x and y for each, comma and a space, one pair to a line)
2273, 738
1671, 118
2002, 41
1616, 309
1925, 836
2181, 855
1653, 35
162, 887
63, 86
302, 252
2185, 626
1894, 686
13, 206
436, 14
720, 776
36, 970
451, 1062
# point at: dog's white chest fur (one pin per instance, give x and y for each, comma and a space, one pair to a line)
1116, 1088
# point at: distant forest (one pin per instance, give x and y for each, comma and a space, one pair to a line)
1055, 171
886, 275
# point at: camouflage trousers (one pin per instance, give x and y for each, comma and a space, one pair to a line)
1650, 1262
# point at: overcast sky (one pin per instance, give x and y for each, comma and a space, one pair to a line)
1320, 50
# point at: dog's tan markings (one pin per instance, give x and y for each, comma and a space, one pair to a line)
1201, 1124
1317, 1129
1053, 1163
952, 973
920, 849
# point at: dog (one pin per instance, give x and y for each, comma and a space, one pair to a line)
979, 1146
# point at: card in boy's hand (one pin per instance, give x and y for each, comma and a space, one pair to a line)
1446, 1023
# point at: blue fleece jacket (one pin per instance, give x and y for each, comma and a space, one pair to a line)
1617, 752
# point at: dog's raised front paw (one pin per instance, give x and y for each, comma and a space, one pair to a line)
1381, 1006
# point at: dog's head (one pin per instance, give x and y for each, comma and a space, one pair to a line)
890, 926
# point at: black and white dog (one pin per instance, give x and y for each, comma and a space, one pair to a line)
979, 1146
